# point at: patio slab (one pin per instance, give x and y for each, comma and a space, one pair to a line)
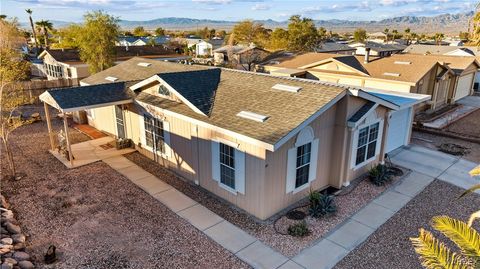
152, 185
423, 160
323, 255
174, 200
458, 174
200, 217
291, 265
373, 215
413, 184
258, 255
229, 236
351, 234
392, 200
133, 173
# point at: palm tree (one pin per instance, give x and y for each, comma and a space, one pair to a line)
438, 37
45, 26
29, 11
434, 253
386, 32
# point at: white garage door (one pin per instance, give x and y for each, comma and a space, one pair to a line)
398, 129
464, 86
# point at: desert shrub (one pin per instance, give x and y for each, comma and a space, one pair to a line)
380, 175
299, 229
321, 204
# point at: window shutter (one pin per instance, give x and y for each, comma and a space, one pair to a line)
240, 171
166, 137
353, 155
379, 138
141, 123
215, 161
312, 174
291, 169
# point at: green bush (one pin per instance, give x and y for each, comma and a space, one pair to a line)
380, 175
321, 204
299, 229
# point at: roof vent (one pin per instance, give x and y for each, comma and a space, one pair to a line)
286, 88
402, 62
391, 74
144, 64
112, 79
252, 116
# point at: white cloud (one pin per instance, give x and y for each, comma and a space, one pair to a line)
213, 2
261, 7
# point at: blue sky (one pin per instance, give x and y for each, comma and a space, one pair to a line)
72, 10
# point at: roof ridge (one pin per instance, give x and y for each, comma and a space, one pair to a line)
80, 86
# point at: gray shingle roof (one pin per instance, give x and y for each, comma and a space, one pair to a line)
69, 98
362, 111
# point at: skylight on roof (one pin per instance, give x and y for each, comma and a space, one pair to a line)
402, 62
286, 88
144, 64
252, 116
391, 74
112, 79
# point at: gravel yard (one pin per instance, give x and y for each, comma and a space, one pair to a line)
469, 125
264, 231
390, 247
97, 218
434, 141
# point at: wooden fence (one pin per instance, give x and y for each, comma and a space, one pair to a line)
29, 91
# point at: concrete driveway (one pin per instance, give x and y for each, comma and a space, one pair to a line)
473, 101
439, 165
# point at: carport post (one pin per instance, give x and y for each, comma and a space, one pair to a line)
49, 125
65, 124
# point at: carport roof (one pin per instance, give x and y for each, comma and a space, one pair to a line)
87, 97
402, 100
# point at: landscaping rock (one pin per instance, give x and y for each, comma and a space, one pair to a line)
4, 251
19, 246
3, 231
18, 238
26, 265
6, 266
3, 202
6, 241
12, 228
11, 261
21, 256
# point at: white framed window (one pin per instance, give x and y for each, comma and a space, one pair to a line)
155, 135
302, 161
367, 143
228, 166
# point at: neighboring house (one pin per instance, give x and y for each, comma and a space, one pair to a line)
334, 47
66, 63
245, 57
464, 51
258, 141
141, 41
445, 78
377, 49
203, 48
378, 37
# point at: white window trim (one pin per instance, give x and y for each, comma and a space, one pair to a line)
227, 188
306, 184
239, 174
377, 147
143, 139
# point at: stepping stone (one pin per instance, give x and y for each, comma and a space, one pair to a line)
258, 255
133, 173
290, 265
373, 215
152, 185
118, 162
229, 236
351, 234
200, 217
323, 255
413, 184
392, 200
174, 200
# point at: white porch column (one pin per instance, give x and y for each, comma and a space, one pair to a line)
49, 125
65, 124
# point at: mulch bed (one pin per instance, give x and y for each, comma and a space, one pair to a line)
288, 245
96, 217
390, 247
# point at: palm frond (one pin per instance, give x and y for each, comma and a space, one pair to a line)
434, 254
471, 190
464, 236
475, 171
473, 217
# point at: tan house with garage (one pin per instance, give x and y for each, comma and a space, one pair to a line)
445, 78
260, 142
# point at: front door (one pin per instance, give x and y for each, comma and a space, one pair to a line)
120, 121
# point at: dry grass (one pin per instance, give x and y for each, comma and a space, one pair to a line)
96, 217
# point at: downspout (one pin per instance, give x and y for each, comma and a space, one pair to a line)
198, 157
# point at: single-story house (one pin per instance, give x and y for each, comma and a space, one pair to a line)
334, 47
141, 40
203, 48
377, 49
259, 141
239, 54
66, 63
445, 78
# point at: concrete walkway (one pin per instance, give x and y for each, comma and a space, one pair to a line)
229, 236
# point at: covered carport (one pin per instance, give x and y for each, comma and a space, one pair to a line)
69, 100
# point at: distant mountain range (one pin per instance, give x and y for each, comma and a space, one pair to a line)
446, 23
